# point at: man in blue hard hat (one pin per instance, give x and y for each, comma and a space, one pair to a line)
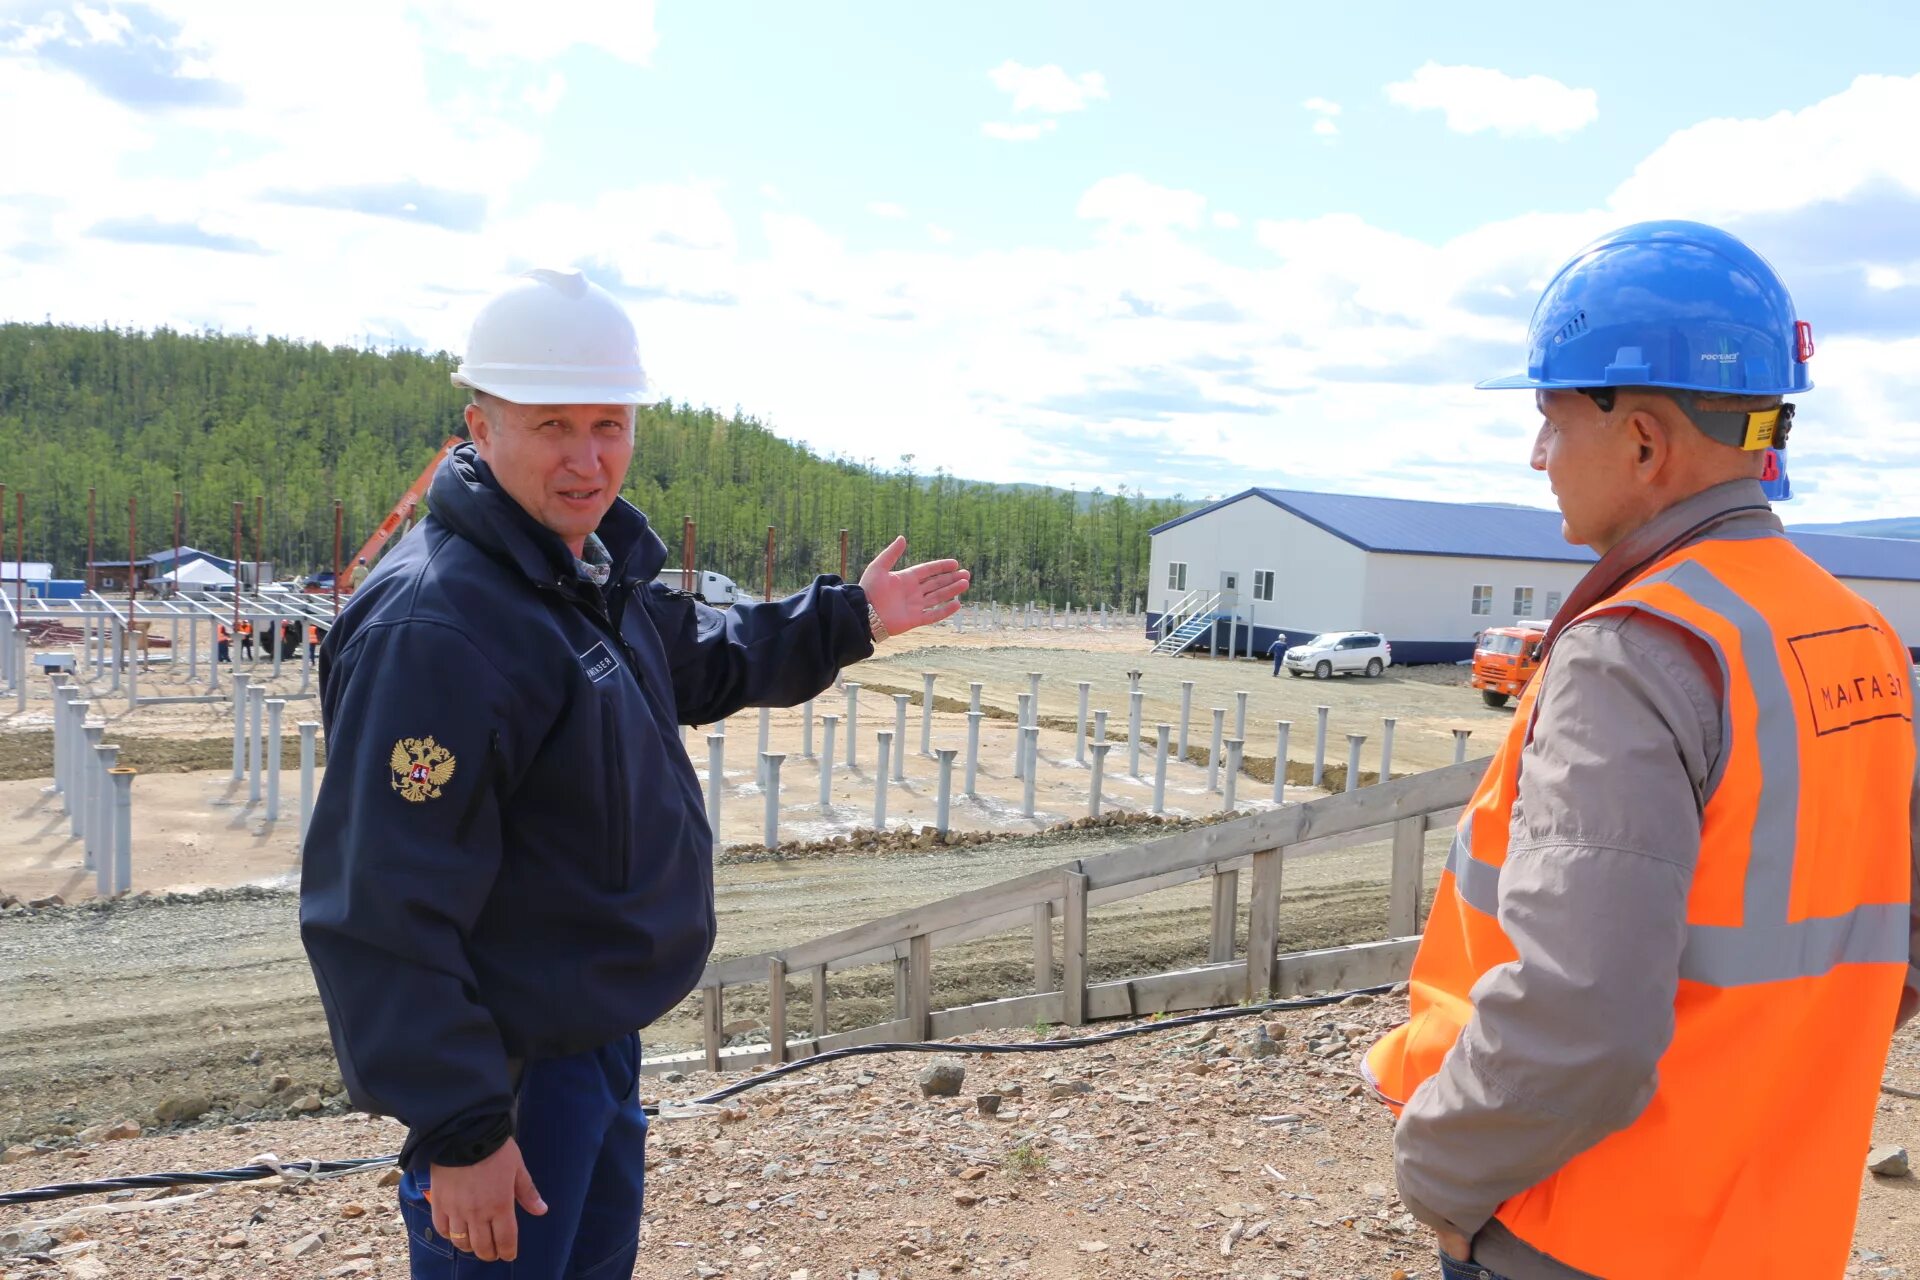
1678, 925
509, 869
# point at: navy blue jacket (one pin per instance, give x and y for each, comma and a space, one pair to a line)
509, 855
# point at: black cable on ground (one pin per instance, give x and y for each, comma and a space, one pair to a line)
316, 1169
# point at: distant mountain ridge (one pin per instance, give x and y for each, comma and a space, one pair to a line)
1890, 527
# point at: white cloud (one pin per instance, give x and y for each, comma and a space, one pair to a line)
1129, 201
1322, 351
543, 98
1323, 113
1047, 89
490, 31
1476, 99
886, 209
1017, 132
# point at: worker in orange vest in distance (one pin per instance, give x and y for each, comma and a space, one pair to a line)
313, 641
1677, 929
246, 639
225, 641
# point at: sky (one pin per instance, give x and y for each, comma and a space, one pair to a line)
1178, 249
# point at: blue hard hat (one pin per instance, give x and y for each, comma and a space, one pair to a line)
1679, 305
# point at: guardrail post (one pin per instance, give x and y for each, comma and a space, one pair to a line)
1354, 742
920, 987
1282, 730
62, 736
1213, 753
1263, 925
1099, 726
1234, 747
926, 713
122, 828
274, 747
777, 1010
1186, 714
1403, 892
1225, 917
900, 701
1033, 699
716, 779
1460, 737
1134, 699
1165, 732
819, 1001
806, 729
307, 730
973, 696
1073, 984
885, 739
973, 751
712, 1018
1080, 724
1030, 751
1240, 715
1320, 746
770, 779
828, 723
1042, 948
1386, 750
853, 725
944, 805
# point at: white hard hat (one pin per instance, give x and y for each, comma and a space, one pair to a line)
554, 337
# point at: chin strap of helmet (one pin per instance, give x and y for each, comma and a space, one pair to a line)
1751, 430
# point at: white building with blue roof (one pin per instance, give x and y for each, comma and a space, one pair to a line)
1429, 576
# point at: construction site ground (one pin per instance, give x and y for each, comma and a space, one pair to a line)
1171, 1154
198, 1005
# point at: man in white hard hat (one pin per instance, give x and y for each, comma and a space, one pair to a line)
508, 870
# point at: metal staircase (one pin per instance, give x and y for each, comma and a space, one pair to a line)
1187, 621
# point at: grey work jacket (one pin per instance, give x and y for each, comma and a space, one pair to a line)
1597, 879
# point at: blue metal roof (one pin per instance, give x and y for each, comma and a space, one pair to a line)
1402, 526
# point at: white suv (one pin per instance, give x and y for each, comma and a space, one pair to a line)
1338, 651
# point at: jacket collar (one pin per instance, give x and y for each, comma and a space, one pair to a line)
467, 498
1738, 503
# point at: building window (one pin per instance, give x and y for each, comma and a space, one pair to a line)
1483, 601
1523, 602
1177, 576
1553, 603
1263, 584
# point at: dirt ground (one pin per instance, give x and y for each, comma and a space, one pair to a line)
1175, 1153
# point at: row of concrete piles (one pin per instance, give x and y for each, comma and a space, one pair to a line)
1090, 749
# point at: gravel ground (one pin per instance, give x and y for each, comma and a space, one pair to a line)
1175, 1154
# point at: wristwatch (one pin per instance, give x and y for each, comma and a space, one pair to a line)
875, 627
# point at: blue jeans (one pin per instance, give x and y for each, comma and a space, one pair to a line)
1451, 1270
584, 1138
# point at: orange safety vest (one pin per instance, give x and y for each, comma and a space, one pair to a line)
223, 630
246, 628
313, 635
1747, 1160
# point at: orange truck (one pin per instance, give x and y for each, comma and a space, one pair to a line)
1505, 658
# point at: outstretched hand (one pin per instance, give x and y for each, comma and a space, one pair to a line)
915, 597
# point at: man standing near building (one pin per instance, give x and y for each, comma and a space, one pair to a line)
508, 870
1678, 925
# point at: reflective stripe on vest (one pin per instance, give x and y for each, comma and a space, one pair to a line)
1796, 945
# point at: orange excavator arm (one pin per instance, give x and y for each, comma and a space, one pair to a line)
371, 548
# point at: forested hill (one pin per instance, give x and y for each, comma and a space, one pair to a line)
221, 418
